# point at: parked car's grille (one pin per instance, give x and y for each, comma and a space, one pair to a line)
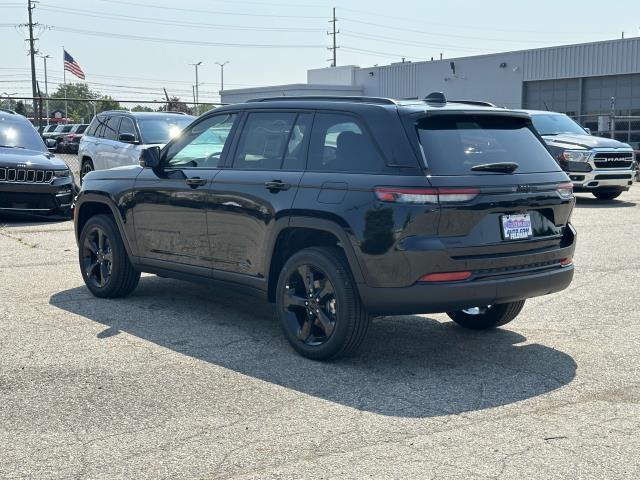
613, 160
23, 175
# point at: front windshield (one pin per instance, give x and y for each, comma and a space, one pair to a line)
547, 124
17, 133
162, 129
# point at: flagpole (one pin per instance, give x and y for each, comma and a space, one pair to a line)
64, 81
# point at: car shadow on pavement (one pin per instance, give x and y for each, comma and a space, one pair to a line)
593, 202
411, 366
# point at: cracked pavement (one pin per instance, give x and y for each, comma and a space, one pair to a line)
187, 381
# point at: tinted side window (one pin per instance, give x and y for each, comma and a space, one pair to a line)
201, 146
264, 140
339, 143
295, 156
102, 122
111, 128
127, 126
92, 127
81, 129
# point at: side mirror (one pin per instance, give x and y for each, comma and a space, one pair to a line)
150, 157
588, 130
127, 138
51, 144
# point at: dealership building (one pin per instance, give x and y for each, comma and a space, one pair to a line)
597, 83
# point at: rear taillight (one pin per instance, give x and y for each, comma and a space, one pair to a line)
565, 262
565, 190
425, 195
445, 277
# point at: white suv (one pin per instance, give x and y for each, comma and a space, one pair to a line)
116, 138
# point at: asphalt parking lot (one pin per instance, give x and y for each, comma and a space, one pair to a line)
185, 381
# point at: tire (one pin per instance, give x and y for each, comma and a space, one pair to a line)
484, 318
86, 167
607, 195
104, 263
335, 323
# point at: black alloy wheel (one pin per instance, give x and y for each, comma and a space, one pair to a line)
318, 304
97, 257
311, 305
104, 262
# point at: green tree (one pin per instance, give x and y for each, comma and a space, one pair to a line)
79, 109
20, 108
142, 108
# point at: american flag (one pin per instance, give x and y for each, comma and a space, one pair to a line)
72, 66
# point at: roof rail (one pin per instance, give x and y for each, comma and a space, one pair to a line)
374, 100
479, 103
6, 110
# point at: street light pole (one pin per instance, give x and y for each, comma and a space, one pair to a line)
46, 87
9, 95
196, 65
222, 73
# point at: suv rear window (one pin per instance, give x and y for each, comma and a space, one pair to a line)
453, 144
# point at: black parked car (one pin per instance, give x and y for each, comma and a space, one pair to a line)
71, 140
339, 209
32, 181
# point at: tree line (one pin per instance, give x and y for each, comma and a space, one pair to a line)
83, 112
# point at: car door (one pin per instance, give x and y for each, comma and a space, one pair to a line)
257, 186
170, 202
109, 144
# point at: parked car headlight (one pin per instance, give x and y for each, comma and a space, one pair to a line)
576, 155
62, 173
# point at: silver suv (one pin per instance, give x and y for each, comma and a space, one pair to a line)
116, 138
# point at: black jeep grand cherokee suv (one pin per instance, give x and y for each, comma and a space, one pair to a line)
339, 209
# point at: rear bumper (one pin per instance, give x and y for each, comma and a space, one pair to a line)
451, 296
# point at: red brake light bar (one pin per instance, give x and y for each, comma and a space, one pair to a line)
445, 277
425, 195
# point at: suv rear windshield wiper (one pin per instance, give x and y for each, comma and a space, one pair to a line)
506, 167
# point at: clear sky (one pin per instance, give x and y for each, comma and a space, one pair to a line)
275, 42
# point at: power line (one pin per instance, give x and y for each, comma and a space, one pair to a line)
193, 10
380, 54
172, 22
378, 38
128, 77
175, 40
466, 37
429, 24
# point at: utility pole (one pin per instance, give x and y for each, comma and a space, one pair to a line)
196, 65
334, 33
222, 73
32, 54
46, 87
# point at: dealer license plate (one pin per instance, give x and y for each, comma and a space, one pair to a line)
516, 227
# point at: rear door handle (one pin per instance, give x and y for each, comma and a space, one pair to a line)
196, 181
277, 185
